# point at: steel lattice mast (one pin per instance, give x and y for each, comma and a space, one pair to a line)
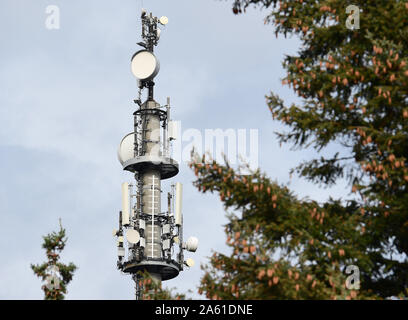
148, 235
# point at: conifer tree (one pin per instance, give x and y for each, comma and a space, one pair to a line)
56, 274
353, 86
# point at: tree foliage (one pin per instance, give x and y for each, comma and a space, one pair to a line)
153, 290
352, 87
56, 274
282, 247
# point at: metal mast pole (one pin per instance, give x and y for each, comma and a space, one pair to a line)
150, 232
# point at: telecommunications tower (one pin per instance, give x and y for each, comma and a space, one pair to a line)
150, 237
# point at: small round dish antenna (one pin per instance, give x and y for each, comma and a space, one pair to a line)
132, 236
190, 262
192, 244
164, 20
145, 65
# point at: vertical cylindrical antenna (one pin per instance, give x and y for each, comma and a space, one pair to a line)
166, 129
168, 108
139, 197
136, 147
179, 196
150, 88
169, 204
120, 223
125, 203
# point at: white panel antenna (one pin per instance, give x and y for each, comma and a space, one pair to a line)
125, 203
121, 252
142, 224
166, 229
142, 242
179, 199
166, 244
173, 130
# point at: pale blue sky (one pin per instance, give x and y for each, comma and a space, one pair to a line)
66, 102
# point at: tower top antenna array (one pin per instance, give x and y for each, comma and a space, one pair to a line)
150, 239
145, 65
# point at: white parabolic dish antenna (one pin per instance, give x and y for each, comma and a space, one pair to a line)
132, 236
145, 65
164, 20
126, 148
